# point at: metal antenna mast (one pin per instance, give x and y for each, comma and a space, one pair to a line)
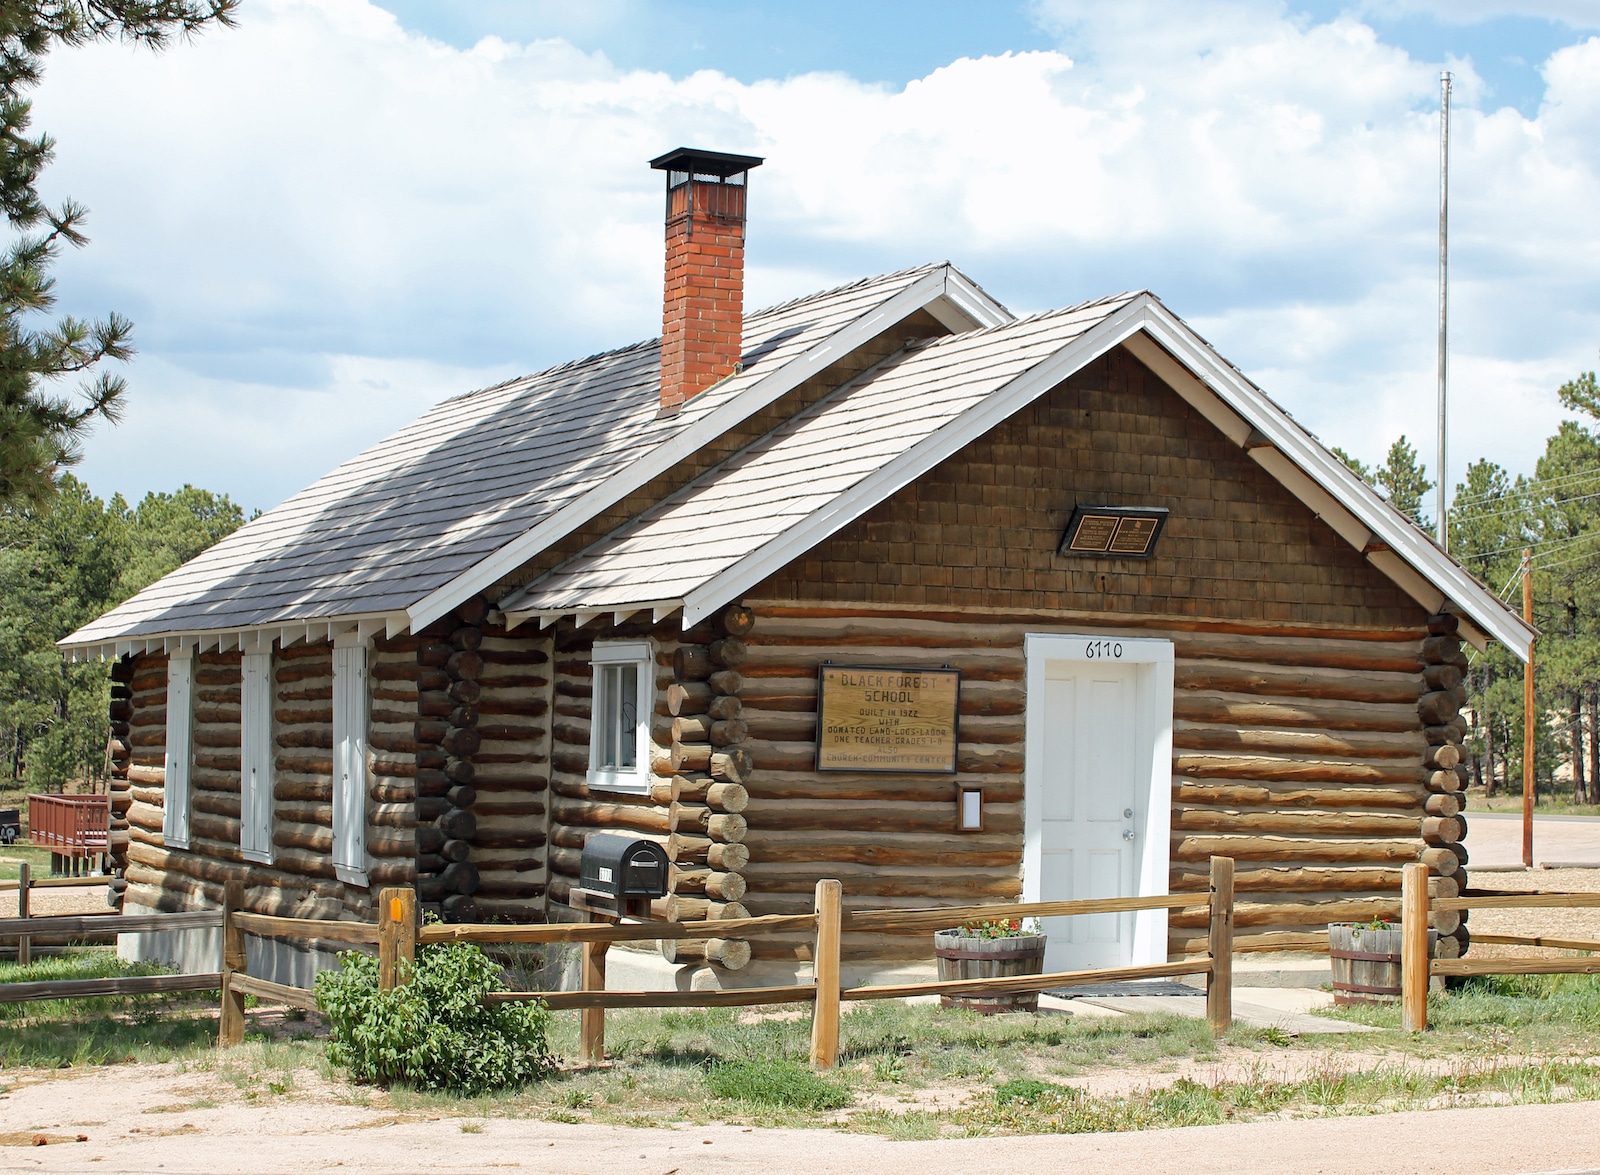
1444, 293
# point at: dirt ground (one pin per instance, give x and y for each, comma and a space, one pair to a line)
1580, 924
161, 1118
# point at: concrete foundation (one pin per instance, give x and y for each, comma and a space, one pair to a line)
197, 952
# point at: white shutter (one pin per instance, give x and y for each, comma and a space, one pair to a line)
350, 763
255, 765
180, 720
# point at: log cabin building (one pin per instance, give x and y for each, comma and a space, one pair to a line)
883, 584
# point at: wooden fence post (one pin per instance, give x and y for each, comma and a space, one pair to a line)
1414, 963
397, 935
825, 973
592, 1021
1219, 980
231, 1029
25, 942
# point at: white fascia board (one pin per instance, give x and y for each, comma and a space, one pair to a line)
964, 306
640, 470
914, 462
1419, 555
262, 636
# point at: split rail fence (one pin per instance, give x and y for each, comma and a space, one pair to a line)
1417, 968
396, 936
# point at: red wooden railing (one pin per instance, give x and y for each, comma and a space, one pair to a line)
70, 826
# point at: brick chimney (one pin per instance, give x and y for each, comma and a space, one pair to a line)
702, 314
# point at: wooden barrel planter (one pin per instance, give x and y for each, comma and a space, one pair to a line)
1366, 962
961, 957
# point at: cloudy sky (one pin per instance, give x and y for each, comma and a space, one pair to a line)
345, 210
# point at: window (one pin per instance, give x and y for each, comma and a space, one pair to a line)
619, 730
180, 721
255, 759
350, 710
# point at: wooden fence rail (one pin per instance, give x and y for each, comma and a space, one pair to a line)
1416, 968
397, 935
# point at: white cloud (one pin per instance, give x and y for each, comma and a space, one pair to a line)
321, 195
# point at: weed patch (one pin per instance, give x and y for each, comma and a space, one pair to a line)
775, 1083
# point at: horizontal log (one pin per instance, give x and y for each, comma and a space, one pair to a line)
1287, 849
1542, 901
1442, 830
721, 887
1511, 965
1223, 820
1289, 796
598, 814
1025, 983
1292, 683
100, 925
976, 850
1287, 768
1198, 736
889, 921
875, 816
686, 698
905, 882
614, 932
699, 850
727, 682
732, 954
120, 985
693, 663
680, 908
274, 993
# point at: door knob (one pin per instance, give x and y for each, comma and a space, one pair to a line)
1127, 834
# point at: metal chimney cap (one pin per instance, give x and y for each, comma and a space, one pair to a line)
717, 163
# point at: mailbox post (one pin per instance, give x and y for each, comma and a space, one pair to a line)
618, 877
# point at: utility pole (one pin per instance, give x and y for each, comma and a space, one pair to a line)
1444, 292
1527, 715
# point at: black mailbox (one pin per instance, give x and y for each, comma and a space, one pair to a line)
623, 867
10, 826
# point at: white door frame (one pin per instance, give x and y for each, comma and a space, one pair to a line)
1153, 693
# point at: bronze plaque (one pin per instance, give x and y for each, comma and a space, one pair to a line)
878, 718
1134, 536
1095, 533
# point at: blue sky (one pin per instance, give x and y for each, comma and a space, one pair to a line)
347, 210
896, 41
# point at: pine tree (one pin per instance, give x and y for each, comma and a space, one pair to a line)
42, 429
1404, 481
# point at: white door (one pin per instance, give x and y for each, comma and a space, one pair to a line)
1091, 798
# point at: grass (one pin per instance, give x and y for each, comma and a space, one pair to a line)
905, 1071
12, 856
1545, 804
105, 1030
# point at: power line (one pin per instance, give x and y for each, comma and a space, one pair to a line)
1526, 484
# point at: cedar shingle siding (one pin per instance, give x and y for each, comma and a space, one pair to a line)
982, 528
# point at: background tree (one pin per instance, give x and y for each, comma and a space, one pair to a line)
41, 427
61, 565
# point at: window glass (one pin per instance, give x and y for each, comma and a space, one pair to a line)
619, 717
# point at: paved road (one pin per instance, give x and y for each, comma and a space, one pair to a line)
1495, 839
1504, 1140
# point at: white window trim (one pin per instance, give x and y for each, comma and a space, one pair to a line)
640, 653
180, 748
255, 803
351, 716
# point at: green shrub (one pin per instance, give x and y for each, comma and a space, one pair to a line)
775, 1083
433, 1031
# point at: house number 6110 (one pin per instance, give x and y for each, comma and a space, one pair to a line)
1103, 650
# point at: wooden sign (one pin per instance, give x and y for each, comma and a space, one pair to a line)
881, 718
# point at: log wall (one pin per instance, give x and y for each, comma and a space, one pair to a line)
301, 880
697, 765
1303, 757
